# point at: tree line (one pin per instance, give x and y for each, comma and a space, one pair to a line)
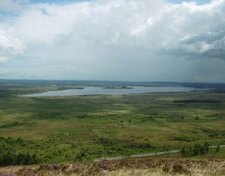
198, 149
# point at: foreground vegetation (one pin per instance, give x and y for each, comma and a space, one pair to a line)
84, 128
143, 167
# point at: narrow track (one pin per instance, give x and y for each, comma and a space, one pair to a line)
147, 154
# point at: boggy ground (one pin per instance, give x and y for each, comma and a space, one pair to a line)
137, 167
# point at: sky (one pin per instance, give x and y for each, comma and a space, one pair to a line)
121, 40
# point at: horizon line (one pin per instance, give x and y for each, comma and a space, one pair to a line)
86, 80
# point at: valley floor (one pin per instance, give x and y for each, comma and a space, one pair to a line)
81, 129
85, 128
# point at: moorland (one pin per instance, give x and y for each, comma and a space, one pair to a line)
85, 128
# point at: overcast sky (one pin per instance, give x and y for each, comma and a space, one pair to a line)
126, 40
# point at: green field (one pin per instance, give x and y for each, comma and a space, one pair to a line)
80, 128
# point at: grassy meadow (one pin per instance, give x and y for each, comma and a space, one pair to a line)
84, 128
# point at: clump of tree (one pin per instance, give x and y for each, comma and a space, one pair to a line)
218, 148
197, 117
7, 159
198, 149
9, 155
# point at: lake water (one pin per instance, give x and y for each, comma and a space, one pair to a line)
102, 91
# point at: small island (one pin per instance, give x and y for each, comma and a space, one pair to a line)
70, 87
116, 87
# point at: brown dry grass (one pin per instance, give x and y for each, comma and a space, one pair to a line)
137, 167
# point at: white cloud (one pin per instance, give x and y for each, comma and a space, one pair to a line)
115, 34
9, 46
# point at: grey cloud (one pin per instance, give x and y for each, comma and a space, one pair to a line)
208, 45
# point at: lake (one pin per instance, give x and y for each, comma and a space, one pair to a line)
103, 91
